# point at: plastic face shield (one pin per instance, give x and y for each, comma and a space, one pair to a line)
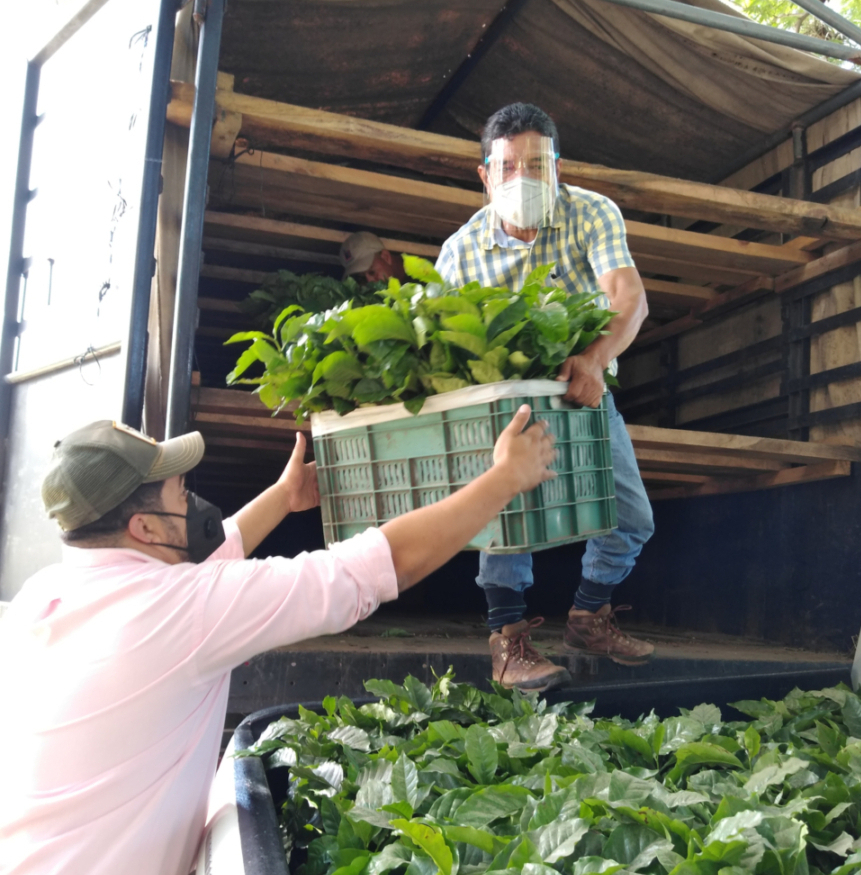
521, 179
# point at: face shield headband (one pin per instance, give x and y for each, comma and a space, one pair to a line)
521, 179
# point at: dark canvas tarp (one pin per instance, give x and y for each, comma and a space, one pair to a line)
627, 89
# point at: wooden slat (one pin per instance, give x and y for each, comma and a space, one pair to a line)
243, 247
681, 440
744, 293
293, 234
833, 261
676, 294
787, 477
704, 462
690, 270
268, 123
707, 249
234, 274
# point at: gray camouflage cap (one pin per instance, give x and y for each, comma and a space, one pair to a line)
100, 465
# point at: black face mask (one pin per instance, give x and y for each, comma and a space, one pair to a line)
203, 530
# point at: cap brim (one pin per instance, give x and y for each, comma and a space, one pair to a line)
176, 456
361, 265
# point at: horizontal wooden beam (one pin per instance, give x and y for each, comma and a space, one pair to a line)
269, 124
794, 452
676, 294
841, 258
705, 462
263, 250
236, 226
787, 477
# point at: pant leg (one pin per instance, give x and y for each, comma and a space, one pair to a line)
609, 559
509, 570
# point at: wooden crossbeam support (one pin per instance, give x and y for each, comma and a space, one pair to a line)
787, 477
269, 124
646, 437
234, 226
676, 294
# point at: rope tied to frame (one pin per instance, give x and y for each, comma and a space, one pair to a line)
80, 361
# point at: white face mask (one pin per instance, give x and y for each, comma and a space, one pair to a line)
523, 202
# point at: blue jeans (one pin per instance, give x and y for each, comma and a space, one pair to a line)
609, 559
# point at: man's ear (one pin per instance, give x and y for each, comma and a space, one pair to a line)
482, 175
139, 529
387, 256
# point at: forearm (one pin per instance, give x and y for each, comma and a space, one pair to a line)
623, 329
425, 539
260, 516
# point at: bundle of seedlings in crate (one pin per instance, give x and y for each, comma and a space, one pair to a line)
457, 781
421, 339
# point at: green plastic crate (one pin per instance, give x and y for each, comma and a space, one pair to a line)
377, 463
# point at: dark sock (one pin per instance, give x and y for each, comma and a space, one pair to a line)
504, 606
591, 596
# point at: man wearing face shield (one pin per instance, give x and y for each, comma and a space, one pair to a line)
118, 658
531, 220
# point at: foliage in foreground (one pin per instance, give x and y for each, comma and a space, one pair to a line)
453, 780
422, 339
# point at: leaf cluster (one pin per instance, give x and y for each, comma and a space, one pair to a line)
422, 339
312, 292
449, 779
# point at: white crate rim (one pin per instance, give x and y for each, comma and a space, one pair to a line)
330, 422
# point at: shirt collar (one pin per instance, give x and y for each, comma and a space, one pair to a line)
96, 557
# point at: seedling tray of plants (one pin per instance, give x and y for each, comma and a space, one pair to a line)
450, 779
377, 463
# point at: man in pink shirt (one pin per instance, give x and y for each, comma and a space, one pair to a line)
117, 660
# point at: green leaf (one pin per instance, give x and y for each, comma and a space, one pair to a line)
519, 361
447, 384
339, 367
478, 838
506, 319
491, 803
422, 270
405, 781
465, 340
451, 304
484, 372
430, 840
247, 335
378, 322
752, 741
244, 362
481, 753
851, 714
552, 321
558, 839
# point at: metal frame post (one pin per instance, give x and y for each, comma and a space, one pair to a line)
191, 235
15, 269
136, 340
743, 27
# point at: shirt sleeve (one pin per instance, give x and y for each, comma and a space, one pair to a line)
232, 548
249, 606
606, 245
446, 264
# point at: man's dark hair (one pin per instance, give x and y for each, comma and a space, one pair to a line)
514, 119
146, 497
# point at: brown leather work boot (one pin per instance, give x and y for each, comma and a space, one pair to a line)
598, 635
516, 663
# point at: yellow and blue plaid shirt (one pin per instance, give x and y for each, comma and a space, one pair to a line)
584, 240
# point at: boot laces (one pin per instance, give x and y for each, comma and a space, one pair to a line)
610, 622
521, 640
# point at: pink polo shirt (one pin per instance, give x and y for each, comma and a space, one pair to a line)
116, 669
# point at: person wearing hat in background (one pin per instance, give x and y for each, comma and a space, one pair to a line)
118, 658
363, 254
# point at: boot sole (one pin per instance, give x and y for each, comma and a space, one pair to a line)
620, 660
560, 679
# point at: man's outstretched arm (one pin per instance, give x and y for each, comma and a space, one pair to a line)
423, 540
296, 489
